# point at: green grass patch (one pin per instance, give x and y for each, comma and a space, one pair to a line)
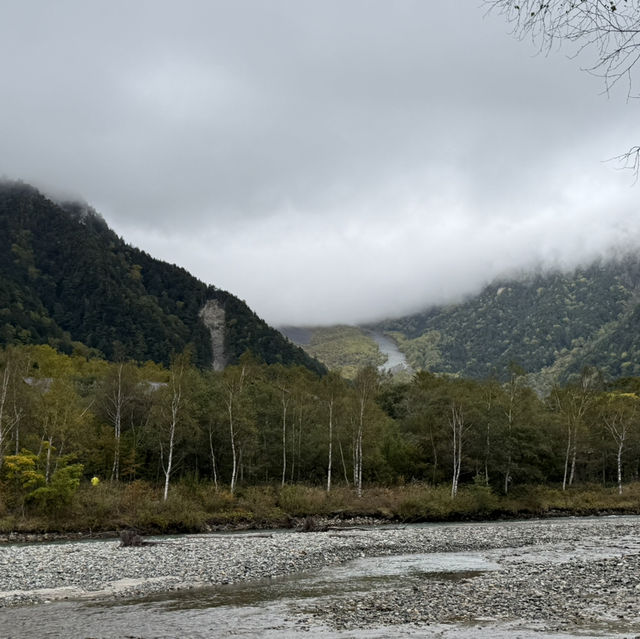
344, 348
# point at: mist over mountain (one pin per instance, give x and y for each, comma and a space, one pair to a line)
549, 323
545, 322
66, 279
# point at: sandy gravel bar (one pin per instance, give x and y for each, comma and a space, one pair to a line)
595, 579
578, 577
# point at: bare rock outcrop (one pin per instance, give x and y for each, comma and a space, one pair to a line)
213, 317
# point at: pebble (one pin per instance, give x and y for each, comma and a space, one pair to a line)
565, 590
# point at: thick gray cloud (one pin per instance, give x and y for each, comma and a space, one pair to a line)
326, 161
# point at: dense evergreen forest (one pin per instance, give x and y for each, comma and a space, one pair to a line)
551, 323
69, 281
65, 419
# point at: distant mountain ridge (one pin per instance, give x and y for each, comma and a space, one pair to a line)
68, 280
549, 323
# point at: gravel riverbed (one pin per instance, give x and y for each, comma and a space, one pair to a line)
566, 574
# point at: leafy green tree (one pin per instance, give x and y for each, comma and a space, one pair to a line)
424, 426
117, 392
56, 495
332, 392
60, 416
237, 382
173, 412
573, 403
620, 414
13, 397
22, 476
365, 387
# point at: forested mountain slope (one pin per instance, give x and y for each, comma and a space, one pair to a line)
66, 278
549, 322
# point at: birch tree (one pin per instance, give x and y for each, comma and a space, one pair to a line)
6, 422
303, 396
572, 403
510, 406
620, 416
332, 391
173, 413
60, 415
456, 422
283, 380
365, 387
519, 407
118, 393
235, 381
491, 392
16, 396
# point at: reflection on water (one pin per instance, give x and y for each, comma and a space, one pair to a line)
361, 575
269, 608
260, 608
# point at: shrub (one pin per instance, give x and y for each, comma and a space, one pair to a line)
22, 477
261, 502
299, 501
56, 496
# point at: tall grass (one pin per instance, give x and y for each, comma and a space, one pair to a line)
198, 507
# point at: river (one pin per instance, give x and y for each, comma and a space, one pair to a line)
592, 591
396, 361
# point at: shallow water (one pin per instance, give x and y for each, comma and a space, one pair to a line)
276, 608
241, 610
395, 358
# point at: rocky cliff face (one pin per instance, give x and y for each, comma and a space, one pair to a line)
213, 317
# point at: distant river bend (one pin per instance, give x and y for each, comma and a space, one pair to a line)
396, 360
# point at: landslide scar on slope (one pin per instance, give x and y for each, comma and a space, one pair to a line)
213, 317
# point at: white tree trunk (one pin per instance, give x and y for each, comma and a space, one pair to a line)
567, 457
234, 388
359, 438
232, 434
168, 468
574, 454
621, 444
175, 407
344, 463
4, 429
617, 425
213, 459
117, 425
330, 460
285, 403
457, 427
176, 401
47, 473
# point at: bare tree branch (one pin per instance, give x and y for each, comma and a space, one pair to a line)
606, 30
630, 161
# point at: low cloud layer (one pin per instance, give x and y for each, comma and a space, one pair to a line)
326, 161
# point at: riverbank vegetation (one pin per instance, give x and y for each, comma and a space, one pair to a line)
344, 348
201, 507
87, 444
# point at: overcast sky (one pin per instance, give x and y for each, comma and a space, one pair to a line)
326, 160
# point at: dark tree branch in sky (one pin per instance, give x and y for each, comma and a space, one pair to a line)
609, 31
606, 30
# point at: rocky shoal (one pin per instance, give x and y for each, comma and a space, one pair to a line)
534, 582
